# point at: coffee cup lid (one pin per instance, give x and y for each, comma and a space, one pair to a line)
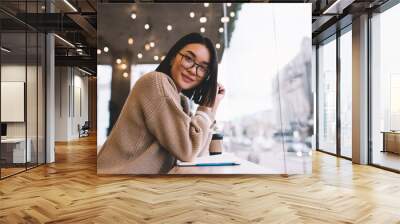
217, 136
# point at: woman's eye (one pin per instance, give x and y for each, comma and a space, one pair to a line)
189, 58
203, 68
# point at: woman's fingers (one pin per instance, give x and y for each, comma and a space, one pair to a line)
221, 89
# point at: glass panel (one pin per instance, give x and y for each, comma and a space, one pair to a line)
346, 94
31, 100
2, 131
273, 126
23, 89
13, 87
327, 96
313, 87
41, 98
32, 88
385, 86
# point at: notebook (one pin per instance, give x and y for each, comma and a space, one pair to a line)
224, 159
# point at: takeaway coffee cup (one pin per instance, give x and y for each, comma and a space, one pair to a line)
216, 144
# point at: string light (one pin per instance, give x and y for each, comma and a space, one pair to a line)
203, 19
133, 15
140, 55
191, 14
146, 26
155, 58
130, 41
98, 51
225, 19
221, 30
169, 27
118, 61
152, 44
125, 75
218, 46
232, 14
202, 29
206, 4
106, 49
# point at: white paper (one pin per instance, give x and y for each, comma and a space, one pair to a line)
215, 159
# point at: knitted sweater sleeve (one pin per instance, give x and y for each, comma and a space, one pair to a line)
183, 136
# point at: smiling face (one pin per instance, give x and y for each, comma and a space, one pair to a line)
185, 78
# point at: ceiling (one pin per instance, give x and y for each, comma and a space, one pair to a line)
329, 16
76, 24
114, 33
81, 28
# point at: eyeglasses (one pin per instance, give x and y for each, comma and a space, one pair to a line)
188, 62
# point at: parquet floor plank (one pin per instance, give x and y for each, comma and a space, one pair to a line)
69, 191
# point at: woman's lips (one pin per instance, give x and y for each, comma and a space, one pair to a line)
187, 79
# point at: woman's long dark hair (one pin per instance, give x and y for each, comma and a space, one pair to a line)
205, 93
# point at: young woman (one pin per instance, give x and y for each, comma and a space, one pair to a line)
155, 126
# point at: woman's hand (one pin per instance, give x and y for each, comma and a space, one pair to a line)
220, 95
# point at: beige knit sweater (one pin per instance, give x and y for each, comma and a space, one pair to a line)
154, 129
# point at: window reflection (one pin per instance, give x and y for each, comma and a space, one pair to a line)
267, 114
346, 94
327, 96
385, 85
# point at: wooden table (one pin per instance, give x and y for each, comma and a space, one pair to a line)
245, 167
391, 141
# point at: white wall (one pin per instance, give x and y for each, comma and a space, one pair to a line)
62, 81
12, 73
13, 100
80, 108
71, 94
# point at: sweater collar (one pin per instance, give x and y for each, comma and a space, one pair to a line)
173, 83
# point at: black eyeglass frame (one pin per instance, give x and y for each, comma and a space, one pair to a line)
193, 64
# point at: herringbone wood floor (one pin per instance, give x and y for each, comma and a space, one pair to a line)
69, 191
